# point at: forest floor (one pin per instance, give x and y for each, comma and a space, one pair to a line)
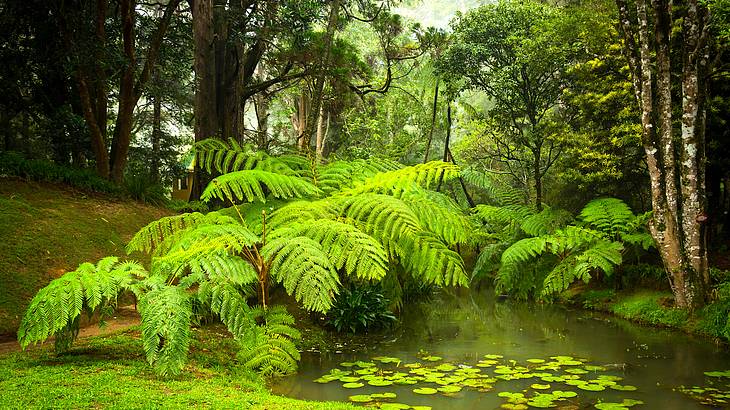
47, 230
111, 372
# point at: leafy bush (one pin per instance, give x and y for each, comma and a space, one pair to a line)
144, 188
645, 307
181, 206
715, 317
12, 163
360, 309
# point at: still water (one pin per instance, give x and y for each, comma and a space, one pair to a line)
463, 329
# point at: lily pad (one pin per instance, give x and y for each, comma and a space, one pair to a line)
394, 406
591, 387
432, 358
493, 356
380, 382
535, 361
387, 395
349, 379
361, 398
626, 387
425, 390
450, 389
725, 373
352, 385
540, 386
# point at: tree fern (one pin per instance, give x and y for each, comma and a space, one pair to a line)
603, 255
338, 175
610, 215
304, 269
440, 214
166, 315
59, 305
499, 192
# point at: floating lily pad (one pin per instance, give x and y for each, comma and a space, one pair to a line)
349, 379
380, 382
352, 385
432, 358
540, 386
347, 364
394, 406
446, 367
425, 390
493, 356
387, 395
514, 406
564, 394
450, 389
610, 406
576, 371
363, 365
626, 387
361, 398
591, 387
421, 407
386, 359
725, 373
592, 368
535, 361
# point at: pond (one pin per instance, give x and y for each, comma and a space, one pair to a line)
473, 352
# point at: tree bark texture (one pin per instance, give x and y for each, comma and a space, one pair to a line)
675, 156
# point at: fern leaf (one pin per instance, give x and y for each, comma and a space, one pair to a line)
394, 182
304, 269
58, 305
252, 184
269, 348
166, 317
227, 156
346, 246
610, 215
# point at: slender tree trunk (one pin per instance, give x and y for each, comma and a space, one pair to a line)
537, 175
156, 136
433, 120
321, 134
324, 62
127, 100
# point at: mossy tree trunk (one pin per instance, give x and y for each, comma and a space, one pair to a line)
675, 157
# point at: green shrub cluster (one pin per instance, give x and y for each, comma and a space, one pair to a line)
14, 164
359, 309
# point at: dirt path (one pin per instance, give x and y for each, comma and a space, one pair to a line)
124, 318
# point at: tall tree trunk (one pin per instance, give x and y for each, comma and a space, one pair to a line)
433, 120
206, 115
677, 178
156, 136
537, 175
321, 134
324, 62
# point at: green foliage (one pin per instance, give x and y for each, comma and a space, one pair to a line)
13, 163
166, 317
269, 347
645, 307
569, 253
360, 308
144, 188
89, 288
213, 263
715, 317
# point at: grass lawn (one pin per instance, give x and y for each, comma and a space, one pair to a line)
111, 372
46, 230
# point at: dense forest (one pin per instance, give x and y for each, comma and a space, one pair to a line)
329, 170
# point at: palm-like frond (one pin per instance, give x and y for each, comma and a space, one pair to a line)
166, 315
89, 287
248, 185
269, 348
228, 156
304, 269
394, 182
347, 247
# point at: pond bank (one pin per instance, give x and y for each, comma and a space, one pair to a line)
655, 308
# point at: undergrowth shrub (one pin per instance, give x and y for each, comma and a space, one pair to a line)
144, 188
14, 164
359, 309
715, 317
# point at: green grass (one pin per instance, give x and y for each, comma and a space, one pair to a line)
46, 230
111, 372
646, 307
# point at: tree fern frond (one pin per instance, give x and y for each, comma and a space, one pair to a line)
299, 211
610, 215
304, 269
270, 348
252, 184
500, 193
502, 215
545, 222
227, 156
430, 260
440, 214
603, 255
394, 182
166, 316
346, 246
89, 287
339, 175
227, 302
152, 235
